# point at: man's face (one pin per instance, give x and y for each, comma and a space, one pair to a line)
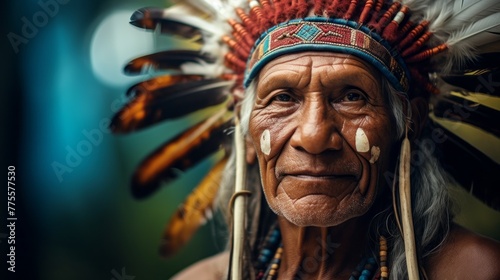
322, 134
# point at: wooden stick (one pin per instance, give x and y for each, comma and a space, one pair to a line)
406, 215
239, 206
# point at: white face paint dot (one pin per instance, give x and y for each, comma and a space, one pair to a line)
362, 143
375, 154
265, 142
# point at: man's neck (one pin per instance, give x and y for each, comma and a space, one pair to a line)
322, 252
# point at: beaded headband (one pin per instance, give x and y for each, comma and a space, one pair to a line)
334, 35
382, 33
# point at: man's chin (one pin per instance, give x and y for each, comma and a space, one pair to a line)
319, 211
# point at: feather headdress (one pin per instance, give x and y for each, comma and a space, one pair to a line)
409, 41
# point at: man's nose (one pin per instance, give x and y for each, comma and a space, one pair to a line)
317, 128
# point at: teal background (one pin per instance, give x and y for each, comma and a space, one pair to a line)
88, 225
84, 224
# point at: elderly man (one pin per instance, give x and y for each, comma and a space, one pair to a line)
334, 93
327, 188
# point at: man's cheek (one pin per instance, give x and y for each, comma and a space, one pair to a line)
363, 143
270, 140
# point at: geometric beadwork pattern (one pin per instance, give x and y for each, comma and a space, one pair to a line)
316, 34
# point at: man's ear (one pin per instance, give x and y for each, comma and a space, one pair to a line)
251, 156
419, 114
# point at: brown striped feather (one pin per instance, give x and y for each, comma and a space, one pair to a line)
162, 101
193, 213
170, 23
180, 154
165, 60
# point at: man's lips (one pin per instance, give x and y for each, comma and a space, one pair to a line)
319, 166
307, 176
302, 184
317, 175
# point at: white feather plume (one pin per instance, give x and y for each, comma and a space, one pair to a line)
438, 13
192, 20
237, 3
189, 9
469, 11
211, 6
222, 9
209, 70
467, 42
425, 9
210, 16
479, 33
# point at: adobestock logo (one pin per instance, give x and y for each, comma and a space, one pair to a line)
311, 264
121, 276
39, 19
83, 148
92, 138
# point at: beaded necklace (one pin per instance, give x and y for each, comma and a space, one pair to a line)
365, 270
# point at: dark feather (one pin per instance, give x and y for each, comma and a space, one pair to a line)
160, 82
481, 75
165, 60
482, 81
193, 213
459, 109
475, 171
180, 154
152, 18
157, 103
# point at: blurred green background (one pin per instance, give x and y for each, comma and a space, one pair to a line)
61, 82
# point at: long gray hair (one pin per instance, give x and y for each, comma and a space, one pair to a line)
429, 185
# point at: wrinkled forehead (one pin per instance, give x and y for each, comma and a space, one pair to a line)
319, 59
331, 65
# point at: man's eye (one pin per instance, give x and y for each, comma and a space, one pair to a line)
283, 97
352, 96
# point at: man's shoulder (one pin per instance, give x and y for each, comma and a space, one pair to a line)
211, 268
465, 255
